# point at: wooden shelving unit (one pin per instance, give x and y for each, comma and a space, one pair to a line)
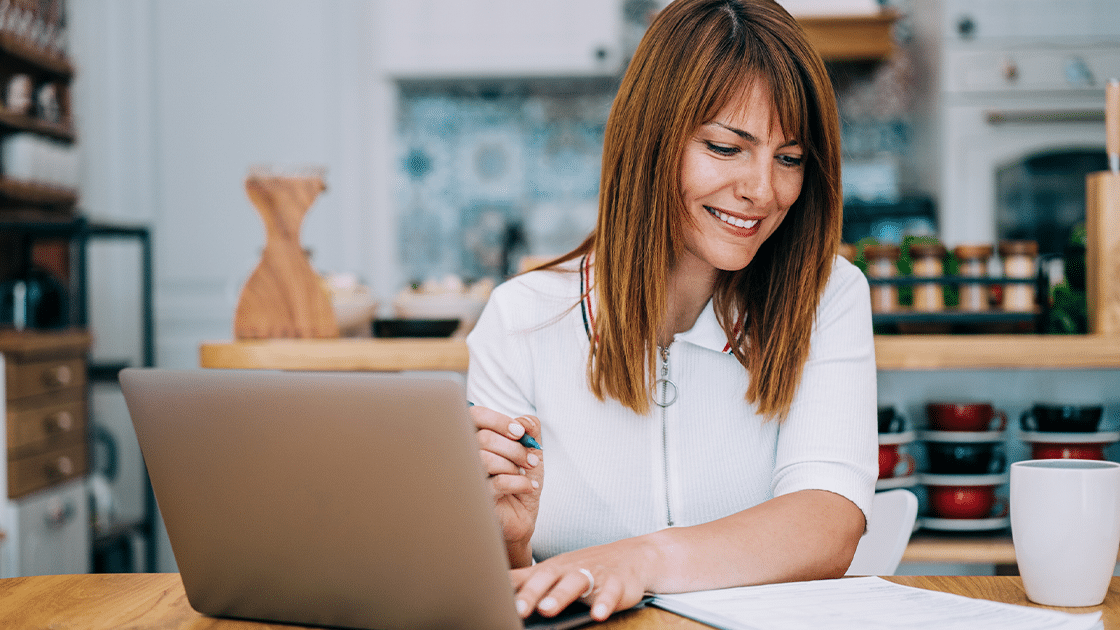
851, 38
983, 352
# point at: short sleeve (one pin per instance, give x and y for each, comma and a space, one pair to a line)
828, 441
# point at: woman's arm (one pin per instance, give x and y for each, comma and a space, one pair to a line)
805, 535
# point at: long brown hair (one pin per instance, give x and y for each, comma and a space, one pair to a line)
693, 59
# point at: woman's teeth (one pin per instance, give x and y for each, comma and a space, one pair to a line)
730, 220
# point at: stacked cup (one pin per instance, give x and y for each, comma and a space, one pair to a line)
967, 463
896, 463
1065, 431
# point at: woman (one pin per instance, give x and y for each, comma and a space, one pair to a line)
700, 371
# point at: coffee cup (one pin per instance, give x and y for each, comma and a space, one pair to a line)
965, 458
1061, 450
949, 416
1065, 525
965, 501
890, 421
1062, 418
895, 463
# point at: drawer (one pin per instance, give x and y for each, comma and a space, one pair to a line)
59, 421
35, 472
44, 377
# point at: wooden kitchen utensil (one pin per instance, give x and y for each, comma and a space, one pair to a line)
1102, 226
284, 297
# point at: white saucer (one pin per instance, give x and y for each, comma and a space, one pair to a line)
902, 437
962, 436
1046, 437
964, 524
891, 483
963, 480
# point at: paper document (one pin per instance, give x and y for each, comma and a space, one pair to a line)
863, 603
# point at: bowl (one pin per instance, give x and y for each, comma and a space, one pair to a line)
407, 327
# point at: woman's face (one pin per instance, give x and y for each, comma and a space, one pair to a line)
740, 175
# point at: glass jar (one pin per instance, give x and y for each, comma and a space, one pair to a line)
1019, 261
973, 261
926, 259
882, 262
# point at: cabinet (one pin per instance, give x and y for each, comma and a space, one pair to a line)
500, 38
45, 393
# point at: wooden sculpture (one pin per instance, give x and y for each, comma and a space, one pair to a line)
284, 297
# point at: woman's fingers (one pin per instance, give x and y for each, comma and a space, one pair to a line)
606, 598
512, 428
550, 591
491, 442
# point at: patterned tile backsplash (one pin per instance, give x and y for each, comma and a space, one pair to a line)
488, 173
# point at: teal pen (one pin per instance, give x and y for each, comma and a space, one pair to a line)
526, 439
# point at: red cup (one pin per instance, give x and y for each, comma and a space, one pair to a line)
1046, 450
894, 463
965, 502
965, 417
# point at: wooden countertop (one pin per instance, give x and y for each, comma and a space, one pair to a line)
348, 354
156, 601
892, 352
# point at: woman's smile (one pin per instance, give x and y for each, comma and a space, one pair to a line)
749, 227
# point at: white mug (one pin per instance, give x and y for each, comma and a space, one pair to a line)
1065, 524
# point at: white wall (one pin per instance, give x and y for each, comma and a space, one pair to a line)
176, 101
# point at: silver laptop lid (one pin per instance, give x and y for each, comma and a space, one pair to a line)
338, 499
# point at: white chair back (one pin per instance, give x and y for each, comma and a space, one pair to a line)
893, 514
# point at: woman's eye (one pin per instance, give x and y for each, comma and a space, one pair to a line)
721, 149
791, 160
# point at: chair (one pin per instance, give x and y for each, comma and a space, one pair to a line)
879, 552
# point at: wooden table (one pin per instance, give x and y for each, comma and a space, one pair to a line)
156, 601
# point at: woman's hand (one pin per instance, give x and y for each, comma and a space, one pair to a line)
608, 578
516, 474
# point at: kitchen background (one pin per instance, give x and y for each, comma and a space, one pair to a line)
444, 157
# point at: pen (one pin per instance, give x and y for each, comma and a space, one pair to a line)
526, 439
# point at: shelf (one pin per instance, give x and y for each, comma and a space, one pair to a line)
36, 194
942, 352
35, 56
22, 122
851, 38
956, 549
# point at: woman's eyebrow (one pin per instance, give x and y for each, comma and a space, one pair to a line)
750, 137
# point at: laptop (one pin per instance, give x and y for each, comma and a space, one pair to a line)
350, 500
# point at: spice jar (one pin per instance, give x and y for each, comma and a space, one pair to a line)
973, 263
1019, 259
882, 262
926, 259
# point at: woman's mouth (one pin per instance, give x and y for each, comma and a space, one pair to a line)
745, 224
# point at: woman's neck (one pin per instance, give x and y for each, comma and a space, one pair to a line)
690, 288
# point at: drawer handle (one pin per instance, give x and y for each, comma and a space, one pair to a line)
58, 376
58, 422
61, 467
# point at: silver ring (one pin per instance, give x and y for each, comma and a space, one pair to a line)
590, 582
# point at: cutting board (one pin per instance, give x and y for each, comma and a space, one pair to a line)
284, 297
1102, 228
1102, 252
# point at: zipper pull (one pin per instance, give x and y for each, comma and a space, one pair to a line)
666, 387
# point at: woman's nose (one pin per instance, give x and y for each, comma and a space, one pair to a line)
755, 183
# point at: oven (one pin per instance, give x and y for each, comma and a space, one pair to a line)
1010, 114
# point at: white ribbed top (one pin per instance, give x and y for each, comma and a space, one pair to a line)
612, 474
